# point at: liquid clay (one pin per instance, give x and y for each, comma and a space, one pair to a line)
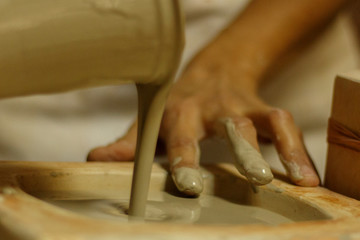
164, 207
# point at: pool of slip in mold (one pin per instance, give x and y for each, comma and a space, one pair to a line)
165, 207
227, 198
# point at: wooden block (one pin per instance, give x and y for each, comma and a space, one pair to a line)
343, 161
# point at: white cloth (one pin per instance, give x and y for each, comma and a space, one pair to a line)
64, 127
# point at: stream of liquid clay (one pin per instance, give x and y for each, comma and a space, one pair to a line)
163, 207
151, 105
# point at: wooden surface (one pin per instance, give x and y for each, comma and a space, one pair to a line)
343, 164
24, 216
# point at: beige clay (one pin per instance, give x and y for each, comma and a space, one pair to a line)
248, 160
188, 180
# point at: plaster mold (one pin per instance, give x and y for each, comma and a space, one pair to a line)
89, 200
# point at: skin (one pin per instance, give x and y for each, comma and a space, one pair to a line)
221, 82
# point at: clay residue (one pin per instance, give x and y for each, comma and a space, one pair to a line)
188, 180
247, 159
292, 168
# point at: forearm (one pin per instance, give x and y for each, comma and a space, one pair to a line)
263, 33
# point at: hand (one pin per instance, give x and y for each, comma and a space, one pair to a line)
217, 95
208, 102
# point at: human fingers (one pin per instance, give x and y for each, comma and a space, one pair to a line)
240, 133
121, 150
183, 130
290, 146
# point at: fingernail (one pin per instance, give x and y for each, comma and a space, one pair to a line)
302, 174
260, 175
188, 180
254, 167
310, 177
